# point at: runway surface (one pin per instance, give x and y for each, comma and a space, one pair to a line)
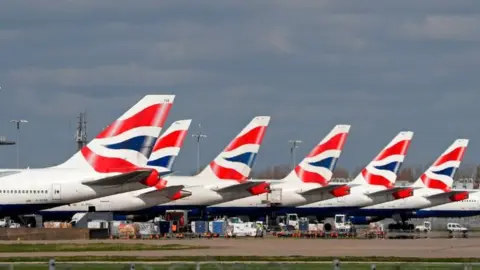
425, 248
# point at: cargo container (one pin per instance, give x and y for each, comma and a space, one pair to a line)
199, 226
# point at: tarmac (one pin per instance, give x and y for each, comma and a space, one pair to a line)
420, 248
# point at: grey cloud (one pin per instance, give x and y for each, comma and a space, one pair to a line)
381, 66
447, 27
130, 75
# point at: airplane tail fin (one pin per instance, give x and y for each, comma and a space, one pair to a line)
168, 146
320, 163
127, 143
440, 174
236, 160
383, 169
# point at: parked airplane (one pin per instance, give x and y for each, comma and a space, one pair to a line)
111, 163
373, 185
465, 208
225, 178
307, 183
432, 188
165, 151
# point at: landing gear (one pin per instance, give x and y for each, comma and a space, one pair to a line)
401, 223
404, 226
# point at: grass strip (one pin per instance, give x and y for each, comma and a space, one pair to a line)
273, 266
239, 259
21, 247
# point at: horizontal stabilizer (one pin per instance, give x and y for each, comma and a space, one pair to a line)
168, 192
322, 190
238, 188
121, 179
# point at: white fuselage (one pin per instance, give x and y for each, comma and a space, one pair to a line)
201, 195
27, 191
283, 194
123, 202
204, 191
357, 198
417, 201
472, 204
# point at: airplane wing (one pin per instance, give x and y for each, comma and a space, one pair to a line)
239, 187
329, 189
395, 192
121, 179
452, 196
168, 192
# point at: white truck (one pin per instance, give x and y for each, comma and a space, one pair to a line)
425, 227
339, 222
241, 228
455, 227
289, 219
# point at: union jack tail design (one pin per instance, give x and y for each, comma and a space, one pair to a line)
126, 144
237, 159
168, 146
319, 165
383, 169
440, 174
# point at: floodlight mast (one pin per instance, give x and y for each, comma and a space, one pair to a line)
198, 137
17, 123
293, 147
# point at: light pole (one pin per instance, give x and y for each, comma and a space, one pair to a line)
18, 122
198, 137
294, 145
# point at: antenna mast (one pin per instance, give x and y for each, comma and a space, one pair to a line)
81, 137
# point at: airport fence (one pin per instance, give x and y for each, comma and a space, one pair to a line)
336, 265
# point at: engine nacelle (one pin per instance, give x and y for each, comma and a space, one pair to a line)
340, 191
459, 196
179, 195
152, 180
162, 183
260, 188
403, 193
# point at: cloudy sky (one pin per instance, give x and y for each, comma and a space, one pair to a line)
381, 66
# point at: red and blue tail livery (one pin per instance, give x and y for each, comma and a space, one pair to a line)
168, 146
320, 163
127, 143
383, 169
237, 159
440, 174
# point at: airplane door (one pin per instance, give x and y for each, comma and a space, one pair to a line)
56, 192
